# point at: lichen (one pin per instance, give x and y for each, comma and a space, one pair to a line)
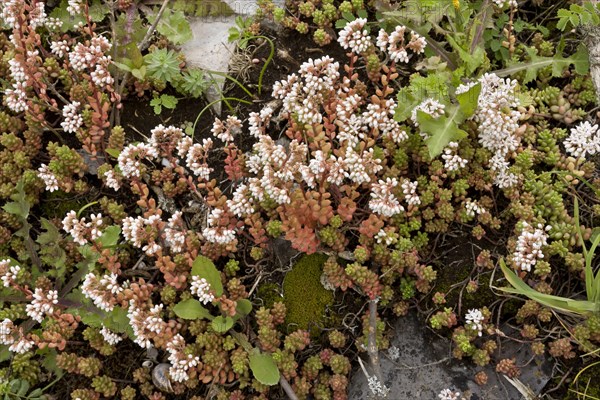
304, 296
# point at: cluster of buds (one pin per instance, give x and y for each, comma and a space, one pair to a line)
80, 230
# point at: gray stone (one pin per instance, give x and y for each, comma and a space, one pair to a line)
426, 367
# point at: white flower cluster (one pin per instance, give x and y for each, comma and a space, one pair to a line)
383, 201
498, 120
101, 291
302, 96
72, 119
472, 208
201, 288
259, 121
429, 106
195, 155
16, 98
529, 246
225, 131
10, 10
74, 7
448, 394
135, 231
180, 362
241, 204
174, 233
394, 44
275, 168
8, 273
129, 159
50, 180
43, 303
355, 37
109, 336
145, 323
93, 57
111, 180
475, 319
583, 140
12, 336
59, 48
502, 3
452, 161
81, 230
409, 189
214, 232
385, 237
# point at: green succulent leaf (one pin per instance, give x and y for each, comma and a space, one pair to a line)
264, 368
191, 309
203, 267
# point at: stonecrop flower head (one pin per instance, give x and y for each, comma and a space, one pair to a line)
43, 303
8, 273
201, 288
395, 44
383, 201
355, 37
448, 394
583, 140
530, 243
180, 361
475, 319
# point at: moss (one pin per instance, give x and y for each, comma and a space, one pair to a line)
304, 296
268, 293
587, 385
58, 204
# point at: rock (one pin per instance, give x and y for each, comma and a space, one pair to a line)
426, 367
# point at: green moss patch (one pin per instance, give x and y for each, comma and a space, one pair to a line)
304, 296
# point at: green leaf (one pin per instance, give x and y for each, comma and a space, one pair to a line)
579, 60
340, 24
562, 304
191, 309
468, 100
110, 236
168, 101
222, 324
139, 73
113, 153
203, 267
264, 368
173, 25
243, 307
441, 130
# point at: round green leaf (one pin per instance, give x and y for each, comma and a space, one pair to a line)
203, 267
191, 309
264, 369
222, 324
243, 307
